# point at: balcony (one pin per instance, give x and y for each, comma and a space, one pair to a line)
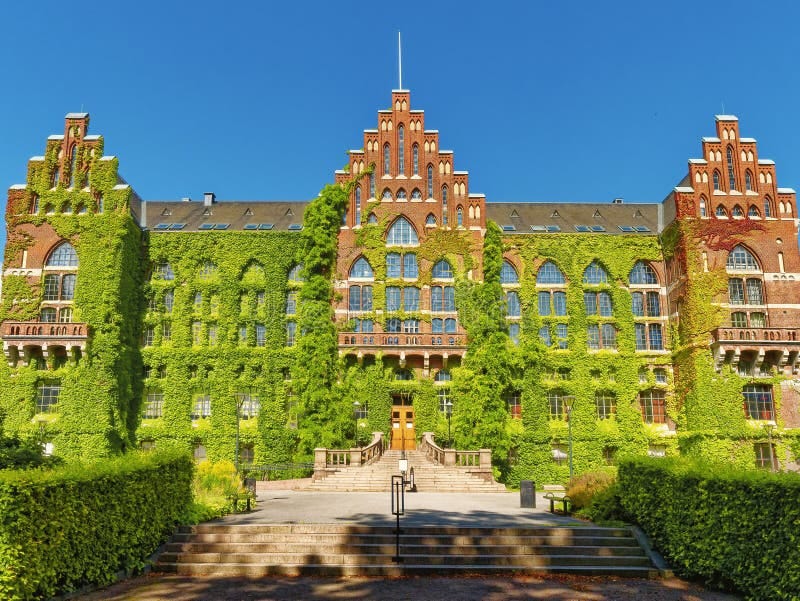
756, 351
24, 340
400, 344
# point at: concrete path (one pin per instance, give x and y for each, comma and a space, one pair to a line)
421, 509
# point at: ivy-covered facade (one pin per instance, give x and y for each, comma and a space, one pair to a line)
400, 301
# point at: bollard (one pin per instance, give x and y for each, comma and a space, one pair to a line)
527, 494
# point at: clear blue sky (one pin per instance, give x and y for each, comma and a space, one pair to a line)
541, 101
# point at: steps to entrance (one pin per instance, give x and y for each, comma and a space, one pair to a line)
428, 477
332, 549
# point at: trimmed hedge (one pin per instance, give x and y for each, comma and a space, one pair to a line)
78, 525
729, 527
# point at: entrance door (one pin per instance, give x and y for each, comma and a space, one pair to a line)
403, 435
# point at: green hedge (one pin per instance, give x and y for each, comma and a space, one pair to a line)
78, 525
729, 527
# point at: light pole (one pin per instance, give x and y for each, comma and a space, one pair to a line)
569, 402
769, 428
356, 408
241, 397
448, 411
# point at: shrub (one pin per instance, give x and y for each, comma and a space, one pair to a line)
213, 485
81, 524
16, 454
583, 488
728, 527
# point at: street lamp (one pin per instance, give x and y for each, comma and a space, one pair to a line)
356, 408
448, 411
569, 403
769, 428
241, 397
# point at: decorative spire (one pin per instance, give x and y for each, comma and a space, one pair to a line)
399, 62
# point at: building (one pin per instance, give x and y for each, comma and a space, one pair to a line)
657, 328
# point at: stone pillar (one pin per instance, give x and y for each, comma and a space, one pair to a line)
449, 457
355, 457
485, 459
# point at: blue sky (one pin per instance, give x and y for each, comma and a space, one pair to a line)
580, 101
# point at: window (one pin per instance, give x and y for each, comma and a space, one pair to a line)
731, 174
459, 217
765, 455
552, 303
166, 331
65, 315
513, 332
737, 288
561, 335
442, 270
559, 452
442, 299
202, 407
508, 275
741, 259
556, 404
703, 210
393, 265
660, 375
63, 255
51, 287
445, 402
602, 336
653, 406
392, 298
199, 453
401, 150
250, 406
164, 271
212, 334
148, 335
47, 393
48, 315
401, 233
442, 376
649, 337
512, 304
758, 320
403, 375
414, 161
642, 273
360, 298
748, 181
721, 212
514, 404
401, 194
291, 333
598, 303
411, 299
430, 219
444, 205
430, 181
154, 405
753, 212
386, 159
767, 207
294, 273
606, 405
207, 270
410, 268
646, 304
758, 402
73, 165
372, 185
68, 287
544, 335
411, 326
738, 212
595, 274
372, 219
361, 269
716, 180
739, 319
358, 206
291, 302
197, 333
261, 334
363, 325
393, 325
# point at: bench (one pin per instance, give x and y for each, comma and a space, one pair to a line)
558, 498
245, 497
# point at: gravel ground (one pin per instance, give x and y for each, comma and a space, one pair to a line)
157, 587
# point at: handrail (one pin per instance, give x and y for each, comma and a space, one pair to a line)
432, 451
330, 460
480, 460
374, 450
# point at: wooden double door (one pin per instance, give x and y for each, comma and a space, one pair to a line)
403, 434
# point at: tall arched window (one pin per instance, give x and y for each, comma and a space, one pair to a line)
753, 211
358, 206
642, 273
459, 216
716, 180
703, 210
372, 185
294, 273
430, 219
444, 205
512, 304
595, 274
63, 255
386, 159
748, 180
430, 181
73, 165
767, 206
720, 211
741, 259
415, 159
731, 175
401, 147
549, 273
401, 233
56, 177
361, 269
442, 270
508, 275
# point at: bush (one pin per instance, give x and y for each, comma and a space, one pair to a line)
81, 524
582, 489
728, 527
17, 454
213, 485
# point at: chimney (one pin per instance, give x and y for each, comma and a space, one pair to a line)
209, 198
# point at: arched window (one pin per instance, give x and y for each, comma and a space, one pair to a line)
642, 273
56, 177
595, 274
430, 181
372, 218
401, 147
386, 159
430, 219
403, 374
164, 271
512, 304
720, 211
387, 194
63, 255
703, 211
738, 211
372, 185
401, 233
73, 165
444, 205
508, 275
358, 206
731, 175
416, 194
361, 269
753, 211
716, 180
549, 273
459, 216
741, 259
415, 159
294, 273
442, 375
100, 206
748, 180
35, 204
767, 207
442, 270
401, 194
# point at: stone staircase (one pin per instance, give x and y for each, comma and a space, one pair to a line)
340, 550
428, 477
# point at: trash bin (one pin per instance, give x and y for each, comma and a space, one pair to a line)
527, 494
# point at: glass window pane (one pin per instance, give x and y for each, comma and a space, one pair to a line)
437, 326
449, 298
544, 335
68, 287
410, 269
641, 336
508, 275
656, 339
736, 291
437, 298
355, 298
757, 320
637, 304
653, 304
561, 335
549, 273
393, 265
450, 325
559, 303
392, 298
590, 303
411, 299
593, 336
739, 319
544, 303
512, 304
51, 287
513, 332
605, 304
609, 336
754, 295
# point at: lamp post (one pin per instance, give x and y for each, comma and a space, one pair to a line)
769, 428
448, 411
356, 408
569, 402
241, 397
